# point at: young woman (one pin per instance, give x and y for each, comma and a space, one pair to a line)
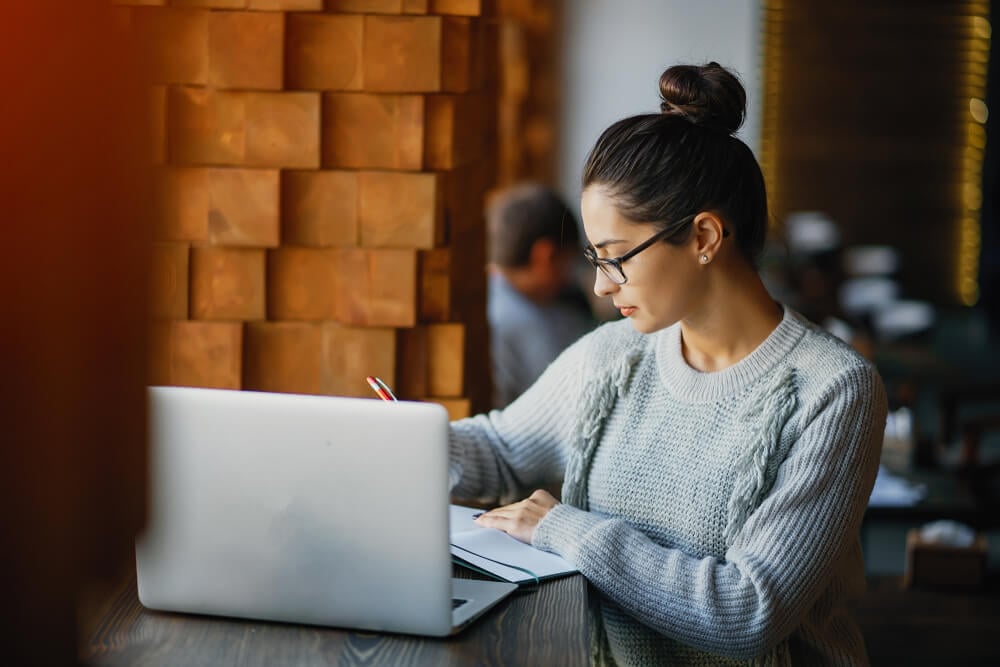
716, 450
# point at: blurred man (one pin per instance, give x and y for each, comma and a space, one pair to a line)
536, 308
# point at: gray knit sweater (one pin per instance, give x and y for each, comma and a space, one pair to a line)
717, 513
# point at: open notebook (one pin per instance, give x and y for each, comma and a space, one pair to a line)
498, 553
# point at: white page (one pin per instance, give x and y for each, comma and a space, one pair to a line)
482, 546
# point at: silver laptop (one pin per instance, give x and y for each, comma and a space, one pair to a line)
304, 509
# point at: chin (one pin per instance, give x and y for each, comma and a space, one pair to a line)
644, 326
648, 326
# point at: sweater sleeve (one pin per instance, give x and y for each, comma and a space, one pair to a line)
523, 446
782, 558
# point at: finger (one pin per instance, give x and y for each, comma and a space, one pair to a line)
543, 498
497, 521
540, 495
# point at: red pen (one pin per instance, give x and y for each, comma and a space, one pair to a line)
380, 388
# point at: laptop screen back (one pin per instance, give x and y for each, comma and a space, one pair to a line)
312, 509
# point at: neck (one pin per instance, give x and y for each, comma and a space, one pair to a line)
737, 317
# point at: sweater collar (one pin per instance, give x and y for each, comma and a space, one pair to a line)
695, 386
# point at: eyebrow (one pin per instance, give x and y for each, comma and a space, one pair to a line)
607, 242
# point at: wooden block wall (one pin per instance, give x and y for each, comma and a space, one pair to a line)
321, 169
528, 49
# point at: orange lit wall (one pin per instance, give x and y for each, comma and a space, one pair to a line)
322, 169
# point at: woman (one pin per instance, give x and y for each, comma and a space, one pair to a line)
717, 450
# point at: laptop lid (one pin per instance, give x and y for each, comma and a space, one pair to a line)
308, 509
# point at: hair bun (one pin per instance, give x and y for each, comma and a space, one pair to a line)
706, 95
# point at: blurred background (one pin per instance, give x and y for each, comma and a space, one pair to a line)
289, 195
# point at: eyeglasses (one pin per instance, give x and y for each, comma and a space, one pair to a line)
612, 266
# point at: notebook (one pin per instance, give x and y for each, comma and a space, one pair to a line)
304, 509
499, 554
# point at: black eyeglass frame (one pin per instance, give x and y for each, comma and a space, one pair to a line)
602, 263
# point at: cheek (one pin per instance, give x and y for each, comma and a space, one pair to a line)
664, 294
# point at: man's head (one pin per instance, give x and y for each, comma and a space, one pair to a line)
533, 237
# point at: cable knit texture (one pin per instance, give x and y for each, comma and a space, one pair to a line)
716, 513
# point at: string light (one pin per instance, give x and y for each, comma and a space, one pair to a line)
970, 195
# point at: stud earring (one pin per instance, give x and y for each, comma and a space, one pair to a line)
704, 259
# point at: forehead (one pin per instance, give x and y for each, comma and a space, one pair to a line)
597, 204
602, 218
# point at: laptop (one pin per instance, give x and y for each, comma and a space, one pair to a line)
303, 509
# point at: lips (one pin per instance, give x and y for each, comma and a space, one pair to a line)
626, 310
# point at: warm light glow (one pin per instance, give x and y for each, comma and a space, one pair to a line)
979, 110
981, 27
975, 135
973, 84
972, 195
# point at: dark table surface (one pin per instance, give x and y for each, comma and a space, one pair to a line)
545, 626
930, 627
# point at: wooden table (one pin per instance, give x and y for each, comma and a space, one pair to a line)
547, 626
544, 627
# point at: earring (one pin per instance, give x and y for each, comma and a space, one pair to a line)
704, 259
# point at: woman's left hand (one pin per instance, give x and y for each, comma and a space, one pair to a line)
520, 519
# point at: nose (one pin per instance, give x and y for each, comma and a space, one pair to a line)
604, 286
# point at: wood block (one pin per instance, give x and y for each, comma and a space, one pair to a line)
246, 50
255, 129
169, 281
283, 356
140, 3
415, 6
445, 359
197, 354
244, 207
465, 187
211, 4
417, 53
435, 285
287, 5
454, 133
220, 206
458, 408
457, 52
283, 129
400, 210
301, 283
177, 42
227, 284
402, 53
158, 124
182, 205
364, 131
478, 371
324, 51
205, 127
319, 208
376, 287
457, 7
350, 354
443, 118
365, 6
411, 363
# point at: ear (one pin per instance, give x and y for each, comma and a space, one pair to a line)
543, 252
707, 238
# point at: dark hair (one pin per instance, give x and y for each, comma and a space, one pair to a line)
524, 214
664, 168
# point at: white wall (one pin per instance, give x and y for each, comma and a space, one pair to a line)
615, 51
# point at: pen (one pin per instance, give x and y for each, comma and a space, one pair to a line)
380, 388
